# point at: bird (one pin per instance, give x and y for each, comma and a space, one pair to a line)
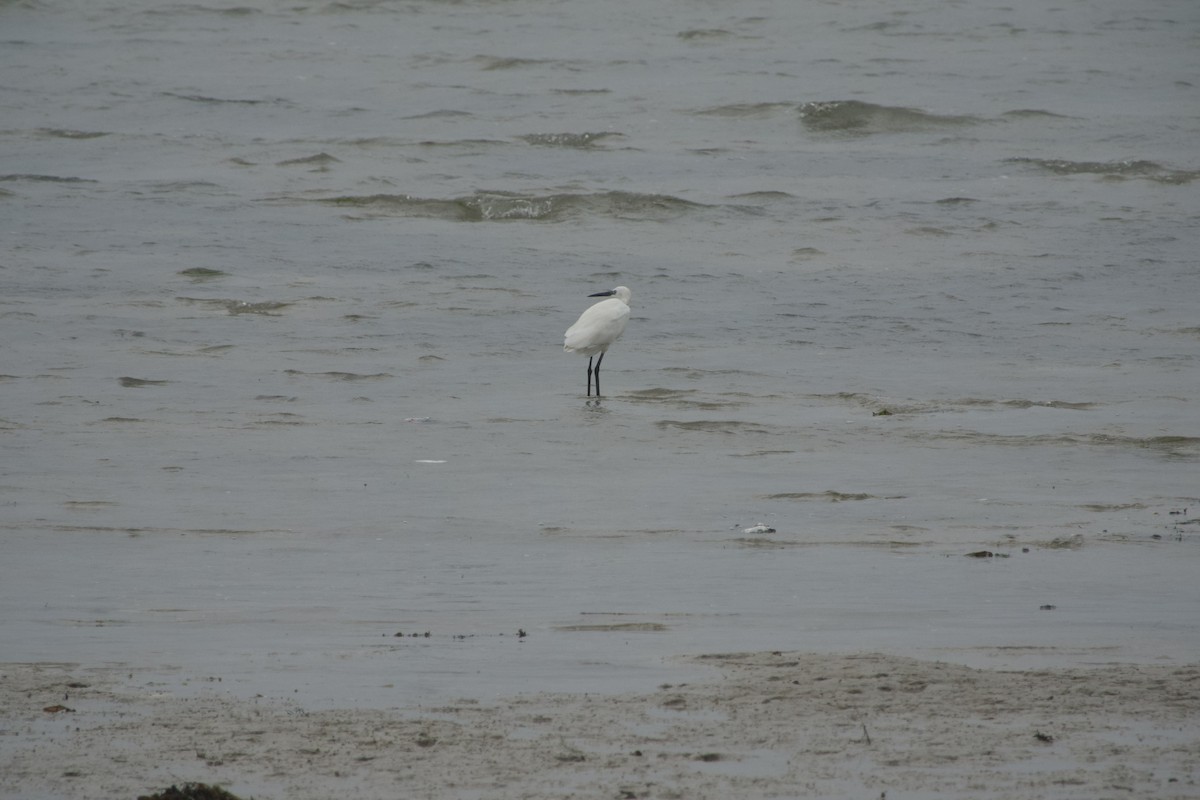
597, 328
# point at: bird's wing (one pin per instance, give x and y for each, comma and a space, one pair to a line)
599, 326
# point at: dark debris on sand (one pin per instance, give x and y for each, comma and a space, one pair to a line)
191, 791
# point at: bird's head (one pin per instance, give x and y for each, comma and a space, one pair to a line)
622, 293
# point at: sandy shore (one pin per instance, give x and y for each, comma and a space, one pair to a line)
775, 725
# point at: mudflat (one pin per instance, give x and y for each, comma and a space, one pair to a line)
775, 724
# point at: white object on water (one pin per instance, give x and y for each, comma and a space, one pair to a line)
759, 528
597, 328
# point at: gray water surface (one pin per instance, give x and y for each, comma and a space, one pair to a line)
282, 303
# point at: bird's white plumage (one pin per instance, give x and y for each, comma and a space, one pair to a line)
599, 326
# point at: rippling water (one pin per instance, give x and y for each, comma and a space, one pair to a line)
284, 292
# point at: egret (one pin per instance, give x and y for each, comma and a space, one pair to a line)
597, 328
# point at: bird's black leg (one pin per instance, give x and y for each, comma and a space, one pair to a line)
598, 360
590, 378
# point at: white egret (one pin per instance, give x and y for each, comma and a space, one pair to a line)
597, 328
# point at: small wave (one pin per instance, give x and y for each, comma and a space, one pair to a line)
139, 383
320, 160
178, 187
767, 543
138, 531
1032, 113
339, 376
46, 178
576, 140
949, 405
1019, 403
266, 308
353, 6
197, 8
660, 394
713, 426
508, 62
1061, 166
681, 398
744, 110
200, 98
88, 505
828, 495
765, 195
806, 253
859, 118
704, 34
1104, 507
1170, 447
202, 274
1049, 404
1130, 168
279, 419
472, 144
59, 133
441, 113
615, 627
853, 398
503, 206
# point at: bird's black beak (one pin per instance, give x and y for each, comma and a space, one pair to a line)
609, 293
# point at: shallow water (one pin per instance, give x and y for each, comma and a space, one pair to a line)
283, 301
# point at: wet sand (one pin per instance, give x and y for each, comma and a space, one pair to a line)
768, 724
